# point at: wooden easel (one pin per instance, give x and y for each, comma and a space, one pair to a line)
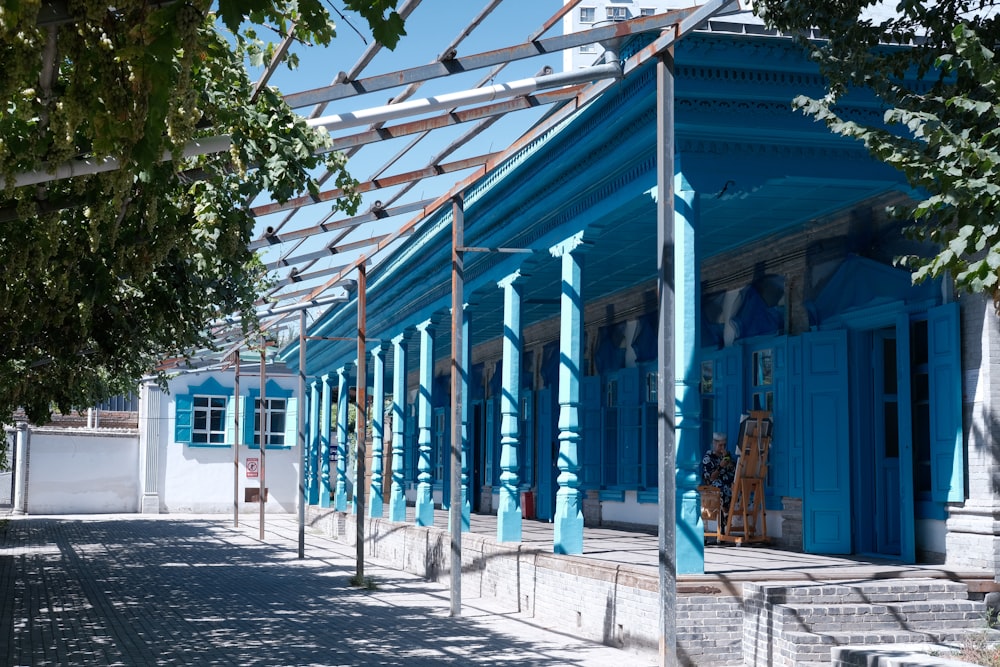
747, 521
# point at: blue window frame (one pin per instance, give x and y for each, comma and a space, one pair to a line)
203, 417
209, 420
274, 413
281, 416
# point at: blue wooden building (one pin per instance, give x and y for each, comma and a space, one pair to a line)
787, 300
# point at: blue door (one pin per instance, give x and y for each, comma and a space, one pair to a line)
944, 366
826, 505
892, 442
546, 447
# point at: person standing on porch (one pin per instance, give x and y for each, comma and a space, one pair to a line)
718, 469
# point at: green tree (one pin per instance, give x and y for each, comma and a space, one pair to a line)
104, 275
932, 65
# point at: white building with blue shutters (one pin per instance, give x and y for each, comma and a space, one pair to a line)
195, 448
201, 441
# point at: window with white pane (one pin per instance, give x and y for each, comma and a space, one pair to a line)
274, 419
617, 13
208, 420
279, 417
588, 14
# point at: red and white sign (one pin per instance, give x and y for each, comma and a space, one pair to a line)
253, 468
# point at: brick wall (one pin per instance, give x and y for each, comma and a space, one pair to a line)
615, 605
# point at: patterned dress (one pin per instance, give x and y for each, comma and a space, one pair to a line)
724, 480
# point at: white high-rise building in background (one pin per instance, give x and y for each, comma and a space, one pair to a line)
593, 13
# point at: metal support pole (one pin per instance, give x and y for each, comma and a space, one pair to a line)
236, 442
303, 491
665, 355
362, 413
457, 369
262, 500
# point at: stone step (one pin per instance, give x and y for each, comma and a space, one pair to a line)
801, 648
873, 592
896, 655
909, 615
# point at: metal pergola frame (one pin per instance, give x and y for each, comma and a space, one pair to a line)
569, 92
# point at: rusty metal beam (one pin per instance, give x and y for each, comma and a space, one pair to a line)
487, 58
377, 184
270, 238
325, 252
299, 277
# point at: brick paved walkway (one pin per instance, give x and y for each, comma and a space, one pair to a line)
193, 590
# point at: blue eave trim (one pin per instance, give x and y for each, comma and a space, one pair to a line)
613, 495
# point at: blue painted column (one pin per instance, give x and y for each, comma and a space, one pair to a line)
425, 499
324, 443
568, 524
305, 404
462, 357
509, 511
397, 497
375, 501
355, 482
313, 461
690, 541
466, 360
340, 496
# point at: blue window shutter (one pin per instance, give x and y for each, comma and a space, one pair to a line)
291, 422
243, 420
492, 449
410, 436
778, 461
590, 431
945, 369
230, 420
628, 425
527, 461
247, 416
793, 427
183, 417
